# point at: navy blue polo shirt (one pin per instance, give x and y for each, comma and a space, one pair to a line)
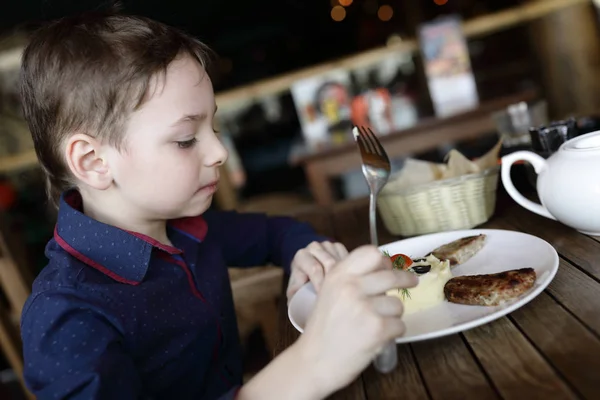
118, 315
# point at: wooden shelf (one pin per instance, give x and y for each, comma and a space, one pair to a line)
420, 133
25, 160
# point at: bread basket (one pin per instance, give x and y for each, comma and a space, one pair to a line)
456, 203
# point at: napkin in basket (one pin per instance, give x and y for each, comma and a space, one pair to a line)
416, 172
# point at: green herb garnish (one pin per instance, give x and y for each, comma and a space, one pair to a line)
405, 293
399, 264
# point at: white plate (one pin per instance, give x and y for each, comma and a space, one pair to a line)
504, 250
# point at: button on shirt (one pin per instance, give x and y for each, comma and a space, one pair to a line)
118, 315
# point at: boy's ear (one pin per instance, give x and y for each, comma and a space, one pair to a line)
85, 161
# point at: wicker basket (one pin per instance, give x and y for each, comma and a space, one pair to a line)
457, 203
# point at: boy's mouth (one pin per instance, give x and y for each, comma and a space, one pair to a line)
210, 187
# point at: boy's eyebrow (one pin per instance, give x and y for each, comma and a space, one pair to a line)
189, 117
192, 117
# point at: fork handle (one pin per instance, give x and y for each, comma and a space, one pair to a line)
373, 219
387, 359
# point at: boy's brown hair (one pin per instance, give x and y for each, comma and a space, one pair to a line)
87, 74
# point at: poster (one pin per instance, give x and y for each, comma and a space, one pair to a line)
447, 66
323, 105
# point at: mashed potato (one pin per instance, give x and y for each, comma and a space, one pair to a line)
430, 289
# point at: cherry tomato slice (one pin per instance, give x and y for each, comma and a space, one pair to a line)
401, 261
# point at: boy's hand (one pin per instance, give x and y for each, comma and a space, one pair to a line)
353, 317
312, 263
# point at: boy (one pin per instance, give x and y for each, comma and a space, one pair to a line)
135, 301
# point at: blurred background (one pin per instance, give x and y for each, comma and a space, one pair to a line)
293, 77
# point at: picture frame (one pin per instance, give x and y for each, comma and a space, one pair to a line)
447, 64
10, 64
15, 138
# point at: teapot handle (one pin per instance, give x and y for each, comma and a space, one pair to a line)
539, 164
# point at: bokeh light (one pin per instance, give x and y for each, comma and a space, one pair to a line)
385, 12
345, 3
338, 13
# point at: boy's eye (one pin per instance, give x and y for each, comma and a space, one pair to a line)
186, 144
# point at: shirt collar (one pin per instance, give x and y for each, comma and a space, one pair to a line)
122, 255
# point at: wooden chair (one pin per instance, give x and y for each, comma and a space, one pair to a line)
15, 283
256, 293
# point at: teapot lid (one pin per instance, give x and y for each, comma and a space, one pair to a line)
586, 142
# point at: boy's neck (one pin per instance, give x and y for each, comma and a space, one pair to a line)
104, 210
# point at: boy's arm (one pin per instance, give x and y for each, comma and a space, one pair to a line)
289, 376
71, 350
250, 239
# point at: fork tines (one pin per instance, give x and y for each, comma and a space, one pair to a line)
367, 141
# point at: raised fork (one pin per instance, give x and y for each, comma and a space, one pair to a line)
376, 169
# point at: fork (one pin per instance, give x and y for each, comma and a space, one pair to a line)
376, 169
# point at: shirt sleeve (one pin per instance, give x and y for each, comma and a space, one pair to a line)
72, 350
251, 239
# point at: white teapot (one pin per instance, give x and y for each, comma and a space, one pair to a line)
568, 183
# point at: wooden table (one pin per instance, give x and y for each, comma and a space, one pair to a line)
321, 165
548, 349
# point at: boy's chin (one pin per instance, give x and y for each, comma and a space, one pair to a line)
195, 208
191, 208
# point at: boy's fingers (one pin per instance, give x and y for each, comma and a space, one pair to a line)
387, 306
322, 256
341, 250
381, 281
365, 259
297, 280
337, 250
393, 328
306, 262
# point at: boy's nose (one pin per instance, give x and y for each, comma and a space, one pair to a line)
217, 153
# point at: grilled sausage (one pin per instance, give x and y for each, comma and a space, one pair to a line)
489, 289
459, 251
